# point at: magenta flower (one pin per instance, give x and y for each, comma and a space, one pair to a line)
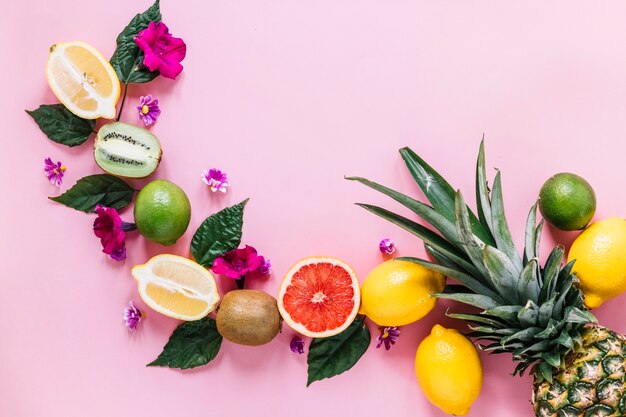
265, 268
132, 316
111, 230
387, 246
54, 172
215, 179
162, 51
237, 263
148, 110
297, 345
388, 336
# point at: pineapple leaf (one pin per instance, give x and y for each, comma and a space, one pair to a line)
559, 305
471, 245
420, 231
463, 278
476, 300
439, 222
447, 262
528, 284
502, 274
475, 318
545, 311
531, 224
551, 272
525, 335
553, 357
507, 313
565, 339
438, 191
483, 202
501, 231
537, 243
491, 330
528, 315
551, 329
544, 370
576, 315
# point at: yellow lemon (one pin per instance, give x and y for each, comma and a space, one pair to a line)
600, 254
448, 370
396, 293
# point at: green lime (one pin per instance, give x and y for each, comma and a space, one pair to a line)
162, 212
567, 201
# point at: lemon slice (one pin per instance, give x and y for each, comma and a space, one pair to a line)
176, 287
83, 80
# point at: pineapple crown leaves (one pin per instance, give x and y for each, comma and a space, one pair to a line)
534, 312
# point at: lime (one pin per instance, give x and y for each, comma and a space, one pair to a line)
567, 201
162, 212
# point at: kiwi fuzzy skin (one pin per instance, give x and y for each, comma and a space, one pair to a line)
248, 317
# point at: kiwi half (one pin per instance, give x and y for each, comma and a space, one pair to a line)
127, 150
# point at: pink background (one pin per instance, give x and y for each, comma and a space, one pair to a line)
287, 97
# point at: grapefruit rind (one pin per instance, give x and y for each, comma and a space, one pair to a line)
300, 328
144, 276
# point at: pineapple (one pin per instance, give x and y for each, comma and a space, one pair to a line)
536, 313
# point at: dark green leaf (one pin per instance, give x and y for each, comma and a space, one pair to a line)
482, 189
529, 246
502, 273
551, 271
471, 244
193, 343
334, 355
476, 300
501, 232
528, 284
507, 313
127, 58
61, 125
528, 315
439, 192
525, 335
92, 190
219, 233
475, 318
576, 315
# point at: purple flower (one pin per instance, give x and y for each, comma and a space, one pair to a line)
237, 263
387, 246
215, 179
54, 172
132, 316
148, 110
111, 230
162, 51
297, 345
265, 268
388, 336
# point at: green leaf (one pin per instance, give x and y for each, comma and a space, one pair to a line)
219, 233
529, 246
483, 202
502, 273
576, 315
127, 58
439, 192
439, 222
192, 344
463, 278
476, 300
551, 272
528, 315
61, 125
507, 313
528, 284
92, 190
334, 355
476, 319
501, 231
473, 246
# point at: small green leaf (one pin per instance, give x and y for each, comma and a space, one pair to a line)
61, 125
501, 232
127, 58
483, 201
219, 233
97, 189
529, 246
192, 344
334, 355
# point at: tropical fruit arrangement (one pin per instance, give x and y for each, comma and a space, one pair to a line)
536, 311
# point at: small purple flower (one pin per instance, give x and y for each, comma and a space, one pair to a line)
388, 336
132, 316
265, 268
297, 345
387, 246
215, 179
54, 172
148, 110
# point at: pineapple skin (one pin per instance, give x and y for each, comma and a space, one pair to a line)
591, 384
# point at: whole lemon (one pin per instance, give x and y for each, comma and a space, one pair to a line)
600, 254
396, 293
162, 212
448, 370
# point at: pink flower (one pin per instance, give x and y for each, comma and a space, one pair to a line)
215, 179
132, 316
386, 246
148, 110
54, 172
111, 230
237, 263
162, 51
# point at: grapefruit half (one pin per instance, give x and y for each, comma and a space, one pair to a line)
319, 296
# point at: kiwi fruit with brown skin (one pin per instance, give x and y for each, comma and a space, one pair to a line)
248, 317
127, 150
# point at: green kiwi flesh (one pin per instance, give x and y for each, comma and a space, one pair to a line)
127, 150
